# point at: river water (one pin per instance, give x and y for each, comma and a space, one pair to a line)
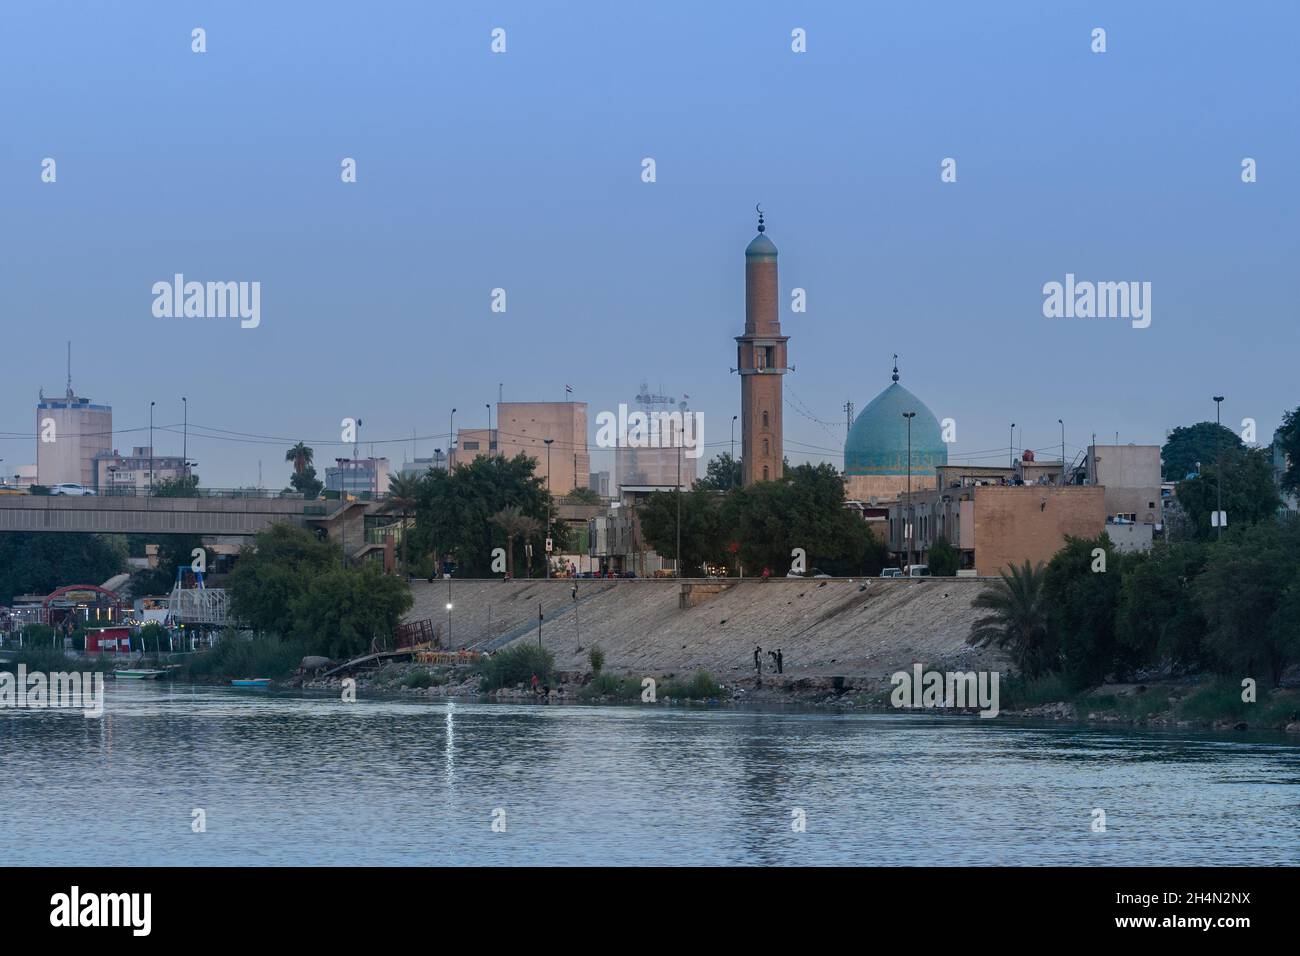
284, 779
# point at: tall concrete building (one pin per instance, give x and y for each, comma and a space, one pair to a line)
525, 427
761, 361
71, 433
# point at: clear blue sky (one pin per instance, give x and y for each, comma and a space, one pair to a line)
523, 171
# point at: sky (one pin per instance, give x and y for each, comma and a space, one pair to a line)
523, 171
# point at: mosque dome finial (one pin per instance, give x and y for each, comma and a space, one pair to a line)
895, 366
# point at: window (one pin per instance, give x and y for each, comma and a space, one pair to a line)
471, 446
760, 358
766, 449
769, 357
765, 419
765, 472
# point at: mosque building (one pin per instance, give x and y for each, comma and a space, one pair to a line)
876, 451
761, 362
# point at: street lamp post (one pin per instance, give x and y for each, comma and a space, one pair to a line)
151, 405
1062, 424
451, 438
679, 511
449, 612
185, 435
1012, 446
1218, 468
731, 472
549, 516
907, 515
488, 406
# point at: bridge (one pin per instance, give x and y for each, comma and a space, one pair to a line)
207, 515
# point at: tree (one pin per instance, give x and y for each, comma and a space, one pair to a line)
403, 492
722, 474
453, 511
515, 524
943, 559
1017, 618
301, 455
307, 483
701, 528
1249, 491
345, 612
185, 486
1080, 606
585, 496
273, 571
1157, 619
1287, 441
1249, 593
37, 562
1189, 444
804, 509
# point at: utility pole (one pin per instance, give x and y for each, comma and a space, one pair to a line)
1218, 469
451, 438
1062, 424
185, 436
848, 418
679, 511
1013, 445
549, 519
151, 405
907, 518
731, 475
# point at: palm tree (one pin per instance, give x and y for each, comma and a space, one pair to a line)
1018, 617
301, 456
515, 523
403, 492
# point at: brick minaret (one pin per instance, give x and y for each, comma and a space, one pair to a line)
761, 362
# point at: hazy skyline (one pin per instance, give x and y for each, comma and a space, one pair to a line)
523, 170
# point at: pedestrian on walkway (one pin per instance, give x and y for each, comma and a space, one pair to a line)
780, 662
758, 660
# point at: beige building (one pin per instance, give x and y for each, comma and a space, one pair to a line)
71, 433
524, 427
993, 524
129, 474
1131, 476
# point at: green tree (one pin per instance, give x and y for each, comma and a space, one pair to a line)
1249, 491
584, 496
722, 474
1081, 606
301, 455
1157, 619
453, 511
1288, 442
345, 612
273, 571
1017, 619
1189, 444
1249, 593
403, 493
515, 524
186, 486
306, 483
804, 509
701, 528
37, 562
943, 559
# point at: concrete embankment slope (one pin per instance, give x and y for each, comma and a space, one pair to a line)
824, 628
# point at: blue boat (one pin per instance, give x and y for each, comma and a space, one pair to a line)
250, 682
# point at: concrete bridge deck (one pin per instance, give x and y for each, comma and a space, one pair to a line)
143, 515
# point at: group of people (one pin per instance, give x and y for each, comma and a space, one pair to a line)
778, 660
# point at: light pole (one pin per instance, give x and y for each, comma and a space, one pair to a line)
451, 438
1012, 446
907, 516
679, 511
1218, 468
185, 435
548, 513
731, 472
449, 612
151, 405
1062, 424
488, 406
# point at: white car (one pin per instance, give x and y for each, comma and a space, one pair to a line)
70, 488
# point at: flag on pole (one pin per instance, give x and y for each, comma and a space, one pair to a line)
568, 390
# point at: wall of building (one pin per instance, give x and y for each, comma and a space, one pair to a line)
81, 431
523, 427
1131, 476
1129, 538
1018, 522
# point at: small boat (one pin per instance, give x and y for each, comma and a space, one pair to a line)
250, 682
137, 674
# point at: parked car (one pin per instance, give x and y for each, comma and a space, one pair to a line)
892, 573
70, 488
919, 571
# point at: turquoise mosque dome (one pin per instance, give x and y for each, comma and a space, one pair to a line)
877, 442
761, 248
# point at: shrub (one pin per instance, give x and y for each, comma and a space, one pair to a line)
700, 687
516, 664
48, 660
596, 657
235, 656
418, 679
607, 685
38, 635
